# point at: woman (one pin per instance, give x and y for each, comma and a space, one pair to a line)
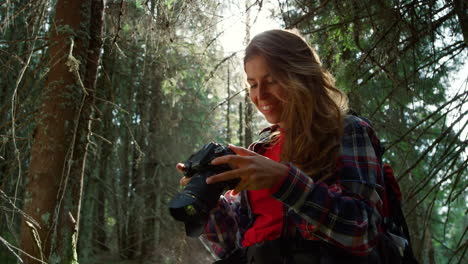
310, 190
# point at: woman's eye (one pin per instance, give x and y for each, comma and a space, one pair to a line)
253, 86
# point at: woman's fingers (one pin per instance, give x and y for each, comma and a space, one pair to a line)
180, 167
242, 151
242, 185
184, 181
254, 171
226, 176
234, 161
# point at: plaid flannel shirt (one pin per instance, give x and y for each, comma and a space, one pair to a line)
344, 211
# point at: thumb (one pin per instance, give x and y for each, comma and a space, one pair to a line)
242, 151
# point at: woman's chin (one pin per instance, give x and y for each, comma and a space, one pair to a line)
272, 120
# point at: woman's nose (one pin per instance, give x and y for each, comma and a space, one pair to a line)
263, 91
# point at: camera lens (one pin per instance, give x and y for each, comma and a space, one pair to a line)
193, 204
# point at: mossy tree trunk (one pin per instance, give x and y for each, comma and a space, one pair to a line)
55, 180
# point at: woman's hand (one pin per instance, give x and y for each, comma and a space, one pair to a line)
254, 170
184, 180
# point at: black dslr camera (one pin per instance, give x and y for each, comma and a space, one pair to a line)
193, 204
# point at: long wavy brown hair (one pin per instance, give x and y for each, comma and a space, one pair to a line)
314, 109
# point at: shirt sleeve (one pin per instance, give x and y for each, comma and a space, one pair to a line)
344, 212
232, 217
221, 229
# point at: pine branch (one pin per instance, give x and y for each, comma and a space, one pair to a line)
423, 155
215, 68
428, 117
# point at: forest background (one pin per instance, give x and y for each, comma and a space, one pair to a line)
99, 101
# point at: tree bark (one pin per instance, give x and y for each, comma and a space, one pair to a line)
54, 191
461, 9
53, 143
83, 132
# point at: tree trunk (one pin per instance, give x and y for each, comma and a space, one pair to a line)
106, 129
152, 170
137, 196
460, 8
53, 145
152, 202
228, 111
83, 132
122, 202
248, 133
241, 124
59, 140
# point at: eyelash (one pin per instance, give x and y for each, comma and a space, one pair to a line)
268, 83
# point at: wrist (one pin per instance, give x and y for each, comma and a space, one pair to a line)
283, 172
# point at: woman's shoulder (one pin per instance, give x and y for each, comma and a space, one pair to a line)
359, 132
356, 124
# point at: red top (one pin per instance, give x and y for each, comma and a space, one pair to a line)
269, 211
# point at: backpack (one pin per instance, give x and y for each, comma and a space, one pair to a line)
395, 243
394, 219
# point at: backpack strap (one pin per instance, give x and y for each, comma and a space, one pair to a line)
395, 222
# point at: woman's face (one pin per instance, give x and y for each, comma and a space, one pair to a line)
265, 92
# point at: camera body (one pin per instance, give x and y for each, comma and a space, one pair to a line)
193, 204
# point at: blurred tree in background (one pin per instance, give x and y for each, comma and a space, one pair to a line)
95, 111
